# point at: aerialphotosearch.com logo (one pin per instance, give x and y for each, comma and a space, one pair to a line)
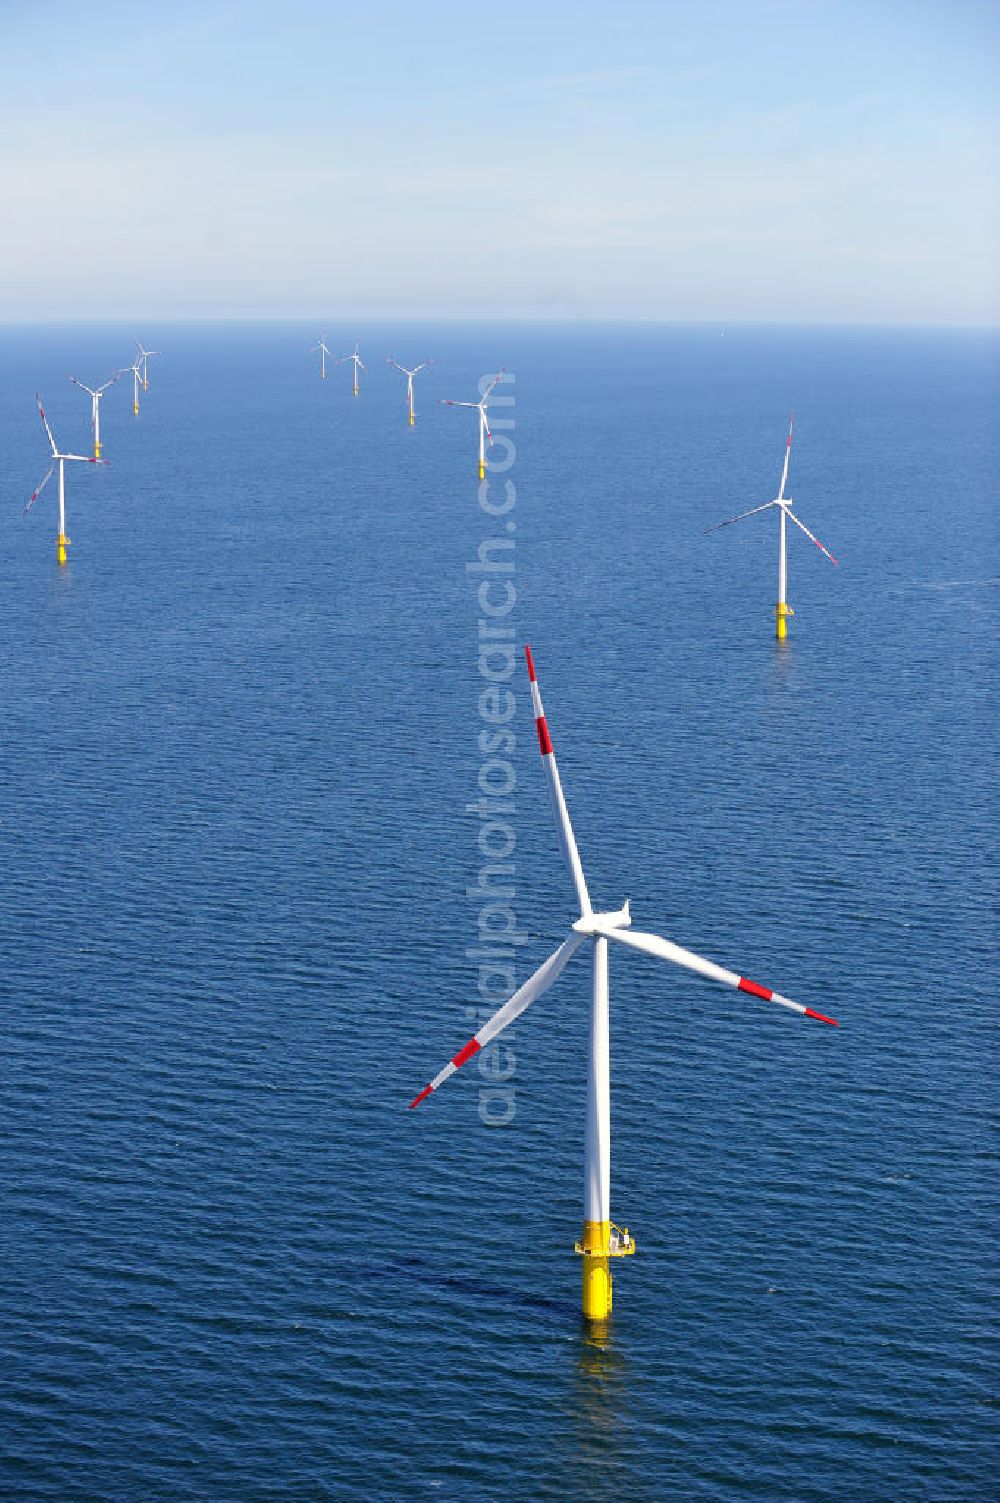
495, 952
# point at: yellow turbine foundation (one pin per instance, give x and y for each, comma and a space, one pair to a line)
97, 451
135, 408
482, 476
62, 543
411, 420
781, 614
595, 1250
602, 1241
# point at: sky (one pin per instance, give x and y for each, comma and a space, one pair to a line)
794, 161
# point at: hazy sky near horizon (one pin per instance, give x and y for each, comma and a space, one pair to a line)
791, 160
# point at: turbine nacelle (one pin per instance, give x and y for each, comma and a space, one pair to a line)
596, 923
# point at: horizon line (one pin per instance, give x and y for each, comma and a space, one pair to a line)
560, 320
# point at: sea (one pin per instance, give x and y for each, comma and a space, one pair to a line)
267, 753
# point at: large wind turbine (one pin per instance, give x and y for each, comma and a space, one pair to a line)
409, 374
782, 610
357, 361
60, 460
143, 361
601, 1240
95, 406
323, 352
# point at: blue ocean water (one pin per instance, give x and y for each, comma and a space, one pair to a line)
240, 743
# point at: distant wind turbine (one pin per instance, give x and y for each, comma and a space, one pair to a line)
409, 374
95, 395
143, 361
784, 503
58, 460
323, 352
484, 423
359, 364
136, 383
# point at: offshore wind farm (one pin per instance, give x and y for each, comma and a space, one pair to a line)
209, 994
703, 1206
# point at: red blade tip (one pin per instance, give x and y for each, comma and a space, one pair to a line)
417, 1099
464, 1054
531, 663
821, 1017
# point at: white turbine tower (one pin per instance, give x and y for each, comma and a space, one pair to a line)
357, 362
409, 374
485, 436
143, 362
782, 610
60, 461
601, 1240
323, 352
95, 406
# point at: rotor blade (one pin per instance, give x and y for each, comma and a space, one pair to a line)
788, 455
111, 382
564, 828
41, 413
792, 517
522, 998
447, 402
752, 512
85, 458
38, 491
396, 365
421, 367
486, 425
88, 389
489, 390
652, 944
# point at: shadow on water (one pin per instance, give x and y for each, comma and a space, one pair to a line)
422, 1271
598, 1403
